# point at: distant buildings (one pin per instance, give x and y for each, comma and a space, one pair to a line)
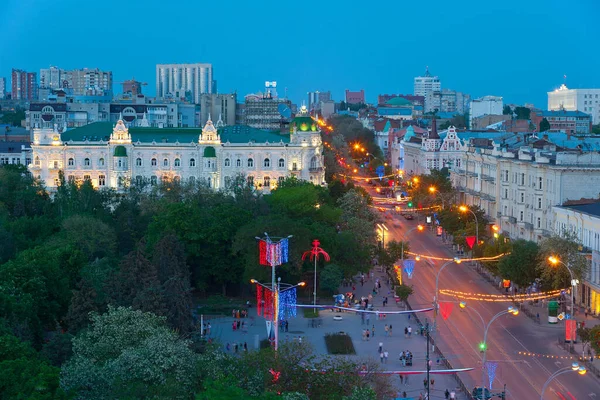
586, 100
570, 122
426, 84
24, 85
78, 82
487, 105
2, 87
18, 153
221, 107
354, 97
397, 108
417, 101
266, 110
184, 81
447, 101
132, 86
316, 98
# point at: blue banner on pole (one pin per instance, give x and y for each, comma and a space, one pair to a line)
380, 171
409, 267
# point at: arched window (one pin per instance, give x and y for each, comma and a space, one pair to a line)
177, 162
166, 162
139, 180
101, 162
209, 182
120, 162
192, 162
250, 180
227, 162
280, 180
266, 163
314, 162
153, 162
227, 182
86, 162
266, 181
192, 180
36, 162
71, 162
281, 163
138, 162
250, 163
238, 163
153, 180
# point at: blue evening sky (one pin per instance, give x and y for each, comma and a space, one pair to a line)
515, 49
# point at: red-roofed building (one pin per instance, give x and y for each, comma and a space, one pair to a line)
355, 97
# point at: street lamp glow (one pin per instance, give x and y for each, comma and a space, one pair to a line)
418, 258
463, 208
432, 189
252, 280
553, 260
420, 227
495, 228
355, 170
462, 304
416, 180
302, 284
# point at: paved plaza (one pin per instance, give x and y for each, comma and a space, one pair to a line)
351, 323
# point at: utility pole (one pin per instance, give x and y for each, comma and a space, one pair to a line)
427, 358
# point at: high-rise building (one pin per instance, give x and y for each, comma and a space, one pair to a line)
50, 78
184, 80
426, 84
218, 107
79, 82
24, 85
586, 100
447, 101
2, 87
266, 110
316, 98
486, 105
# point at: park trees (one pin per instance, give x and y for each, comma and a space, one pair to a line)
132, 354
565, 248
520, 266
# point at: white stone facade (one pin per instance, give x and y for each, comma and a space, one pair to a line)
585, 100
121, 160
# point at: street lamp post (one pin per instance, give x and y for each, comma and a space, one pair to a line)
420, 228
575, 367
483, 346
276, 289
465, 209
314, 254
555, 261
437, 285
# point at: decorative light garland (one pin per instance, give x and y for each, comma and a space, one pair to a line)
409, 267
273, 253
491, 367
287, 303
502, 298
259, 300
580, 358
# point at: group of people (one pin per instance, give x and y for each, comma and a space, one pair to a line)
206, 329
388, 330
237, 314
236, 347
407, 358
284, 325
238, 325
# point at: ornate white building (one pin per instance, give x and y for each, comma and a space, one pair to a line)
114, 156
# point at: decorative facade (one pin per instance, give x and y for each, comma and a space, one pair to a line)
115, 156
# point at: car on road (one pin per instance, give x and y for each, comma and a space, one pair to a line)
409, 216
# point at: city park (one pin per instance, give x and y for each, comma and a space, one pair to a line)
97, 287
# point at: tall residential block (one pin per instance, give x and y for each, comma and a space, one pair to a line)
79, 82
426, 84
24, 85
2, 87
184, 81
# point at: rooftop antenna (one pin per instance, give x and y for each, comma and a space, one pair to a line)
565, 80
285, 89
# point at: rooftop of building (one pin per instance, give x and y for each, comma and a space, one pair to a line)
232, 134
590, 208
12, 147
398, 102
562, 113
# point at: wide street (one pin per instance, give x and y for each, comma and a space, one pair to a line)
460, 335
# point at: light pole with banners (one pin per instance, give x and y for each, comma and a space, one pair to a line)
574, 282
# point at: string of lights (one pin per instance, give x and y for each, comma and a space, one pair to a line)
537, 355
494, 258
500, 298
287, 304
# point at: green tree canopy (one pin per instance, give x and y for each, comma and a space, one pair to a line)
520, 266
565, 248
544, 125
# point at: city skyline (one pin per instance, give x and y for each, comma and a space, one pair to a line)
385, 61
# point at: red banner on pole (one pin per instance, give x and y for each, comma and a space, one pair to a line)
446, 309
570, 330
470, 241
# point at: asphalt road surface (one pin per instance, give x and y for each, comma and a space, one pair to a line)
460, 335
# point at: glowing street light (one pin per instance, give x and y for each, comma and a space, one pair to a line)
467, 209
574, 282
432, 189
575, 367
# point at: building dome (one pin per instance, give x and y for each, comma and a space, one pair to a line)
120, 151
398, 102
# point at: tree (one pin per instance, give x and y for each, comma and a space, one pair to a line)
331, 278
585, 337
544, 125
595, 339
130, 354
24, 374
596, 129
507, 110
523, 112
83, 303
520, 266
404, 291
174, 276
567, 249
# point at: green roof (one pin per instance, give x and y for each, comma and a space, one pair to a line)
304, 124
210, 152
398, 101
120, 151
233, 134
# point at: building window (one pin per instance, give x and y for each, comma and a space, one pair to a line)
192, 162
87, 178
250, 163
101, 162
86, 162
138, 180
227, 182
238, 163
281, 163
314, 162
522, 179
71, 162
227, 162
153, 180
266, 181
177, 162
280, 180
120, 162
267, 163
153, 162
520, 215
192, 180
294, 166
540, 180
166, 162
101, 180
539, 222
138, 162
37, 161
522, 197
539, 202
250, 181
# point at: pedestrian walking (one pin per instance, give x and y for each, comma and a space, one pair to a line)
380, 347
406, 331
409, 331
385, 357
228, 347
373, 331
235, 347
390, 331
368, 334
387, 329
452, 395
381, 357
401, 382
446, 394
